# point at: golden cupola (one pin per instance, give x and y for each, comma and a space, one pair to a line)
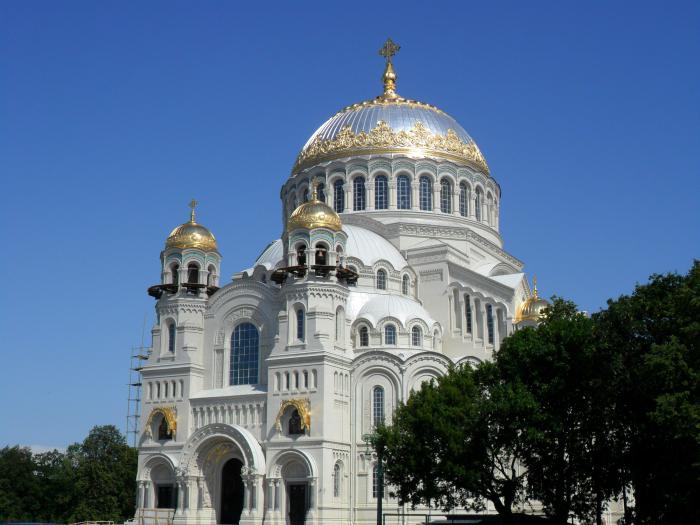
192, 235
314, 214
531, 310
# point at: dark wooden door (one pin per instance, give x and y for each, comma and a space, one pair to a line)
297, 504
231, 492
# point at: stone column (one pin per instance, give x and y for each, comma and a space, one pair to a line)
436, 197
415, 194
146, 494
392, 194
455, 201
348, 196
369, 194
200, 493
472, 205
140, 495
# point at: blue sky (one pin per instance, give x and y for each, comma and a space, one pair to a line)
113, 115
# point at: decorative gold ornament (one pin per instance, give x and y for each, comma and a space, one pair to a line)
303, 406
170, 415
383, 140
314, 214
192, 235
388, 50
532, 308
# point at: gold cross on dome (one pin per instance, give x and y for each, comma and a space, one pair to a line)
193, 204
389, 49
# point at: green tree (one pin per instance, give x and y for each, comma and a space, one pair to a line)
105, 476
19, 489
457, 441
656, 334
568, 447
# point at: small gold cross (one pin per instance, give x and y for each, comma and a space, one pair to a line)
389, 49
193, 204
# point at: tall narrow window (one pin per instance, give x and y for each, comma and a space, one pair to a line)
164, 432
295, 423
468, 313
405, 285
336, 480
300, 324
489, 208
489, 322
305, 197
171, 338
339, 323
377, 406
477, 203
381, 193
390, 334
416, 336
321, 192
445, 196
338, 196
364, 336
426, 193
301, 255
403, 192
245, 348
381, 280
175, 273
463, 199
358, 193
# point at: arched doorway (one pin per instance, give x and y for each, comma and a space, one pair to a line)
231, 492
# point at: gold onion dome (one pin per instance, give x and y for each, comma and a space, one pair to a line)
532, 308
192, 235
391, 124
314, 214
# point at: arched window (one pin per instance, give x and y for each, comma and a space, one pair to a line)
390, 334
305, 197
377, 406
339, 324
164, 432
489, 323
192, 273
211, 275
295, 423
381, 280
306, 379
416, 336
489, 208
321, 192
338, 196
403, 192
171, 338
301, 325
358, 193
463, 199
364, 336
336, 480
445, 196
405, 285
301, 255
426, 193
381, 193
175, 274
245, 348
477, 203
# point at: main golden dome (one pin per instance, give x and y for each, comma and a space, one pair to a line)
314, 214
192, 235
532, 308
391, 124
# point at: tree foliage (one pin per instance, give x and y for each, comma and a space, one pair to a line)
92, 480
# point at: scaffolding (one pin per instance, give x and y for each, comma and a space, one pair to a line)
139, 354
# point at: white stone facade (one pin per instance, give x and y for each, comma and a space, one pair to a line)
435, 288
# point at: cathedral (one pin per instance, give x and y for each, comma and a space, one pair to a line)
259, 392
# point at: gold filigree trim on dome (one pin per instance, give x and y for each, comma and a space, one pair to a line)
382, 139
303, 406
170, 415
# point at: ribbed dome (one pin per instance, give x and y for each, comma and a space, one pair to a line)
314, 214
191, 235
391, 124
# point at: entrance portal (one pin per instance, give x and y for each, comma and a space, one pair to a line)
297, 503
231, 492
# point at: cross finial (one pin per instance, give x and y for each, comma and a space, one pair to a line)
389, 49
314, 189
534, 284
193, 204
